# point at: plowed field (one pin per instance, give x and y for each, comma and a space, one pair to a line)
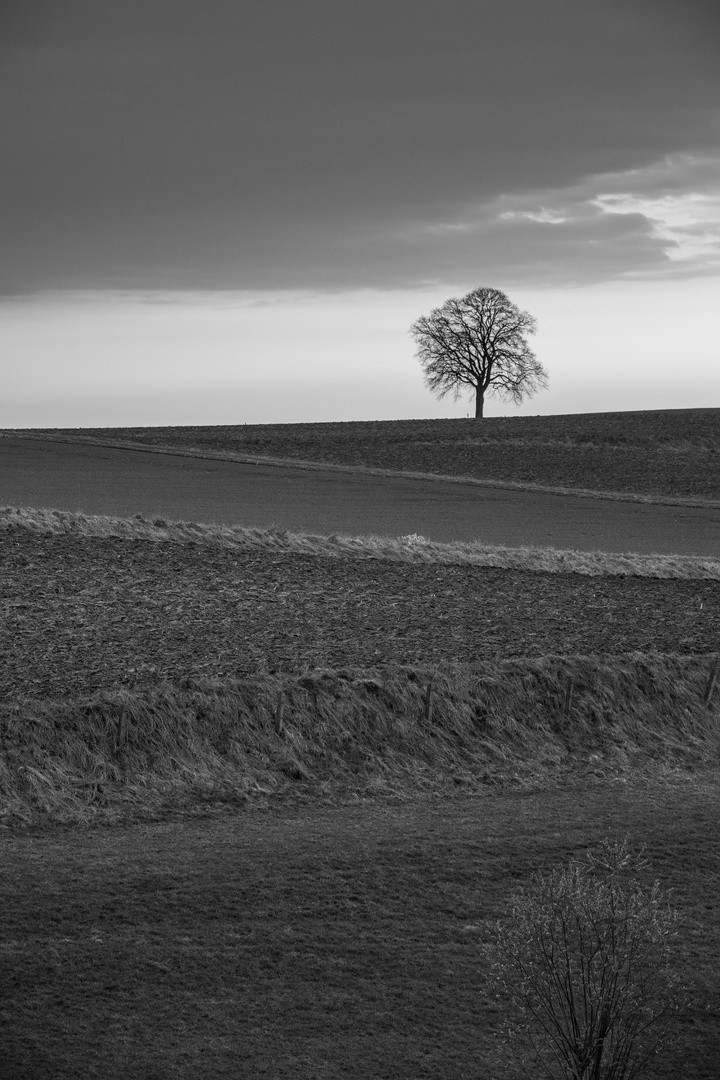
84, 613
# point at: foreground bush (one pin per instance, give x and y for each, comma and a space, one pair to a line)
585, 961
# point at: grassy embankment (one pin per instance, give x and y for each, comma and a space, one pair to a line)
330, 734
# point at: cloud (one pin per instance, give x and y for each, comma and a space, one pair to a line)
210, 144
662, 220
217, 299
658, 221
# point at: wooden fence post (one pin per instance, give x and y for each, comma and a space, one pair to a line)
279, 709
569, 693
429, 702
712, 682
121, 729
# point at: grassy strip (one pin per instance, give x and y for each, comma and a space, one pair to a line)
392, 732
409, 549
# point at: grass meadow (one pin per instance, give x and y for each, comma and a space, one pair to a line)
289, 868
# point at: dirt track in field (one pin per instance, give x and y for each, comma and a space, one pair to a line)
103, 480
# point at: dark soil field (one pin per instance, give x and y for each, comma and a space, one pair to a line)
83, 614
658, 453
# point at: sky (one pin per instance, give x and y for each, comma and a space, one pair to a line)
223, 212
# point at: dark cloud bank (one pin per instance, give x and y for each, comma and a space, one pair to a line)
326, 144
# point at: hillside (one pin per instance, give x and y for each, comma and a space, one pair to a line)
671, 453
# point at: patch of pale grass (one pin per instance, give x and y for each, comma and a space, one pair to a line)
409, 549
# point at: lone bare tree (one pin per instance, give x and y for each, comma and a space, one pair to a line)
479, 342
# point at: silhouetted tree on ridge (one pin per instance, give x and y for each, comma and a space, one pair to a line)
480, 342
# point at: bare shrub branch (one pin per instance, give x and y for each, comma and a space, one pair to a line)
584, 960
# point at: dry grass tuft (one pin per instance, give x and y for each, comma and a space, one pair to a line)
410, 549
396, 732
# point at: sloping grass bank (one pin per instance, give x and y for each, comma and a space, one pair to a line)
409, 549
338, 734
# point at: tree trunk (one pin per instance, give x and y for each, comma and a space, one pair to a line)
479, 400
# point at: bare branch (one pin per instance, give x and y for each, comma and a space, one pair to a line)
586, 963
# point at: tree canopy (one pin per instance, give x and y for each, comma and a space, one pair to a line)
479, 343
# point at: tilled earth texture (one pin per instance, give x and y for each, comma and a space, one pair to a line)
87, 614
